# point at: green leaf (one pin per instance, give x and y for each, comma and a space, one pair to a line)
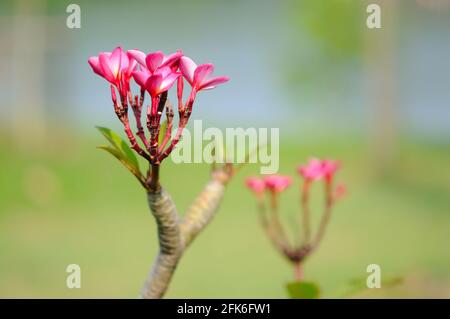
303, 290
125, 161
162, 132
119, 144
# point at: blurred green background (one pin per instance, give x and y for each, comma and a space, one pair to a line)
378, 100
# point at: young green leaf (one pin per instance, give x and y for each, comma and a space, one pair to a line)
125, 161
303, 290
119, 144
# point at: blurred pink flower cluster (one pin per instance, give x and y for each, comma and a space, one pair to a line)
154, 73
315, 170
272, 183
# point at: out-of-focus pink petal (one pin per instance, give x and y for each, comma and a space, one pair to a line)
137, 55
154, 60
202, 72
167, 83
93, 62
340, 191
209, 84
153, 84
311, 171
255, 184
105, 65
329, 168
187, 68
141, 77
277, 183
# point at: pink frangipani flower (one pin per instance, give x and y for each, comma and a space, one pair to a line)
277, 183
329, 168
160, 81
312, 171
137, 55
155, 60
198, 76
116, 67
255, 184
151, 63
141, 77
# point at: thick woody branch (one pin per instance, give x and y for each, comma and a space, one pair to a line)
170, 244
174, 236
202, 210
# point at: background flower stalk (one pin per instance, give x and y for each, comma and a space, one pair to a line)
299, 250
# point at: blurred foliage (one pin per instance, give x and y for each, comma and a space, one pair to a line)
303, 290
359, 285
70, 204
335, 24
335, 33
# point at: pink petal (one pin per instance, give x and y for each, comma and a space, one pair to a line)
115, 60
93, 62
202, 72
153, 84
124, 62
137, 55
105, 65
313, 170
277, 183
187, 68
255, 184
169, 81
164, 71
131, 68
154, 60
172, 58
141, 77
209, 84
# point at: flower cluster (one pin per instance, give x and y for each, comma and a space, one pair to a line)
315, 170
272, 183
155, 73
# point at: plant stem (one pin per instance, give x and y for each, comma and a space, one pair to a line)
175, 236
170, 244
305, 209
154, 181
277, 226
202, 210
326, 215
298, 272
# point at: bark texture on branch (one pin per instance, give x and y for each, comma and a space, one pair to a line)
170, 245
174, 235
202, 210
